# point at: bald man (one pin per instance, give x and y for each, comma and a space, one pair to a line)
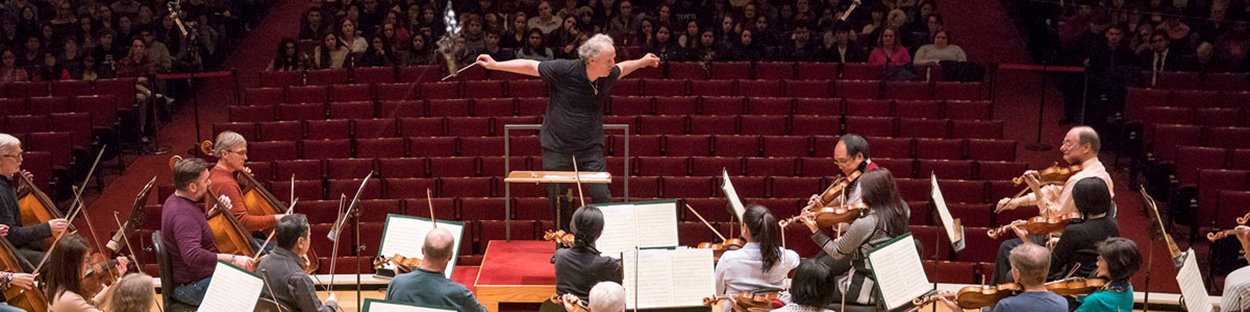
1080, 146
427, 286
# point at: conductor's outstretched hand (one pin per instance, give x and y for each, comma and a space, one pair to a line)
649, 60
486, 61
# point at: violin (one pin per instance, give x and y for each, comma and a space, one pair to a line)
747, 300
1076, 286
579, 307
1055, 174
259, 201
559, 236
835, 190
403, 264
1037, 225
830, 216
974, 297
101, 273
719, 249
1218, 235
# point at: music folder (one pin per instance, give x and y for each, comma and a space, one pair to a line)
377, 305
954, 230
731, 194
232, 289
899, 273
630, 225
667, 278
405, 235
1189, 277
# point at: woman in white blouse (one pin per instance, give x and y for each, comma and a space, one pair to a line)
940, 50
760, 265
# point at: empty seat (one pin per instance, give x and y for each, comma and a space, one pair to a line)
482, 208
439, 90
716, 105
884, 147
1228, 137
447, 108
326, 76
301, 169
273, 150
396, 91
307, 94
412, 188
712, 124
422, 127
748, 187
310, 189
380, 147
734, 145
996, 150
908, 90
493, 107
374, 128
663, 166
1191, 159
820, 107
686, 187
785, 146
678, 105
483, 89
923, 128
796, 187
631, 105
246, 129
48, 105
639, 187
281, 131
918, 108
976, 129
351, 110
1220, 117
466, 187
939, 149
639, 145
769, 106
960, 91
452, 167
265, 96
320, 149
780, 166
871, 126
627, 87
809, 88
713, 166
527, 88
281, 78
328, 129
718, 87
373, 75
301, 111
900, 167
731, 70
815, 125
860, 71
686, 70
817, 71
1168, 137
481, 146
660, 87
946, 169
760, 88
867, 108
469, 126
662, 124
857, 89
339, 168
774, 70
969, 110
687, 145
372, 189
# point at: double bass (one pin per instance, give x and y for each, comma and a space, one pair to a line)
259, 201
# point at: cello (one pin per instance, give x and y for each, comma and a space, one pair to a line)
259, 201
33, 300
36, 207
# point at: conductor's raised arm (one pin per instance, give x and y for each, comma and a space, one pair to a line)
649, 60
518, 66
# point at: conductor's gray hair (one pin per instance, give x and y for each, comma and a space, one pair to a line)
9, 141
594, 46
226, 141
608, 297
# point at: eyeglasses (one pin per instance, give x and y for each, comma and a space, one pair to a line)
17, 156
240, 153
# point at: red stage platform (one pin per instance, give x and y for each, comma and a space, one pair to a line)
516, 271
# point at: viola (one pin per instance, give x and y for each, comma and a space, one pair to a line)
403, 264
747, 300
835, 190
559, 236
974, 297
100, 273
719, 249
1055, 174
1038, 225
259, 201
830, 216
1218, 235
1076, 286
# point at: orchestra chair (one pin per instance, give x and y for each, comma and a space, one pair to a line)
167, 275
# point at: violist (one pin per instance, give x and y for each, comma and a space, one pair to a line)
581, 267
26, 238
193, 252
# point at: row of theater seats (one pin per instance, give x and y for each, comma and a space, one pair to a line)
487, 89
672, 70
771, 125
618, 105
1235, 82
668, 145
1196, 107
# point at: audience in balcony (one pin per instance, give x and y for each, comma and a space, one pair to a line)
939, 50
888, 50
330, 54
535, 48
288, 57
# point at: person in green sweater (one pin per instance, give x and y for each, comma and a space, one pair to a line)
1118, 259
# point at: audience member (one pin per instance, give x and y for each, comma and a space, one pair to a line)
330, 53
939, 50
534, 48
888, 50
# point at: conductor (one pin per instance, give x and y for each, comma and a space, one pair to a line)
573, 125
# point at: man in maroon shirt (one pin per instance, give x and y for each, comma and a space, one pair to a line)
193, 253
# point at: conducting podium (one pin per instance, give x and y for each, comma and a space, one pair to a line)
547, 177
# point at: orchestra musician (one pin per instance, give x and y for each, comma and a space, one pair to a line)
66, 268
132, 293
284, 269
810, 291
426, 285
25, 237
851, 154
573, 124
761, 264
1080, 146
19, 279
1077, 245
581, 267
193, 251
604, 297
1029, 266
1236, 295
1118, 259
231, 152
846, 256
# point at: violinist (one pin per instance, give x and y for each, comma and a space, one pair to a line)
231, 151
1236, 296
809, 291
1118, 259
66, 268
132, 293
851, 155
581, 267
284, 269
604, 297
427, 286
761, 264
1029, 264
193, 252
847, 256
1079, 241
26, 238
1080, 146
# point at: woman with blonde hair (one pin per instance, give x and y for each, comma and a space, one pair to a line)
133, 293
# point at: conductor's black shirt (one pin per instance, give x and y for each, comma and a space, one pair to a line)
574, 117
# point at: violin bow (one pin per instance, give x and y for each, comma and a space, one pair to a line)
577, 176
73, 214
334, 255
709, 225
429, 197
77, 197
126, 240
275, 231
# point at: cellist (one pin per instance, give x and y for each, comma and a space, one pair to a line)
231, 152
25, 238
193, 252
10, 279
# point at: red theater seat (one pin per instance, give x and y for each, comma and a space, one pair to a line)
326, 76
687, 145
713, 166
302, 169
339, 168
818, 107
329, 129
469, 126
662, 166
867, 108
760, 88
672, 187
321, 149
639, 145
969, 110
717, 105
281, 78
374, 128
453, 167
301, 111
781, 166
736, 145
774, 70
273, 150
999, 170
817, 71
351, 110
871, 126
939, 149
923, 128
687, 70
677, 105
527, 88
786, 146
815, 125
307, 94
731, 70
380, 147
413, 188
661, 87
466, 187
719, 87
373, 75
996, 150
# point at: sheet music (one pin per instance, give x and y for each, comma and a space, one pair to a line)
944, 213
620, 229
732, 195
642, 224
232, 289
375, 305
405, 235
1195, 292
904, 277
656, 224
668, 278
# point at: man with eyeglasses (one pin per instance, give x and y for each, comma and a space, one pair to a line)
231, 152
26, 238
573, 126
851, 155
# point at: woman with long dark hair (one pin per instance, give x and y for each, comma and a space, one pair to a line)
420, 51
580, 267
330, 53
535, 48
288, 57
379, 54
66, 267
846, 256
762, 264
